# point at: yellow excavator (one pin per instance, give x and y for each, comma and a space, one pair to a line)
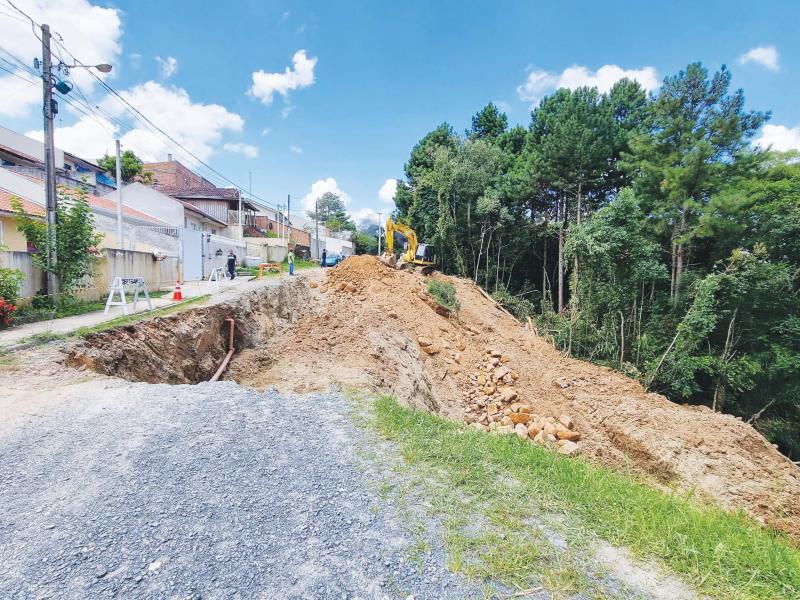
415, 255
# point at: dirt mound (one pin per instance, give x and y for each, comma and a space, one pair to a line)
370, 325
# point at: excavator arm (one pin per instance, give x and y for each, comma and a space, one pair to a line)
409, 257
408, 233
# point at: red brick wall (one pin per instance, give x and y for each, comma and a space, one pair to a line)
296, 236
174, 174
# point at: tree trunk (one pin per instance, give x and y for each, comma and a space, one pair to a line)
488, 245
575, 262
718, 403
679, 256
544, 268
562, 221
497, 265
672, 271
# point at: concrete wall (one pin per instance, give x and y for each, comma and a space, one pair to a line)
35, 279
113, 263
267, 249
216, 253
135, 237
152, 202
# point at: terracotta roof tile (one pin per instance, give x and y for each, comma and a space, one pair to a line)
29, 207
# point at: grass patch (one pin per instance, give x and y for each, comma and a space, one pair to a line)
444, 294
721, 554
299, 263
47, 336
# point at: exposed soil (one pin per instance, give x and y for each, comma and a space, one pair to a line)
360, 325
365, 334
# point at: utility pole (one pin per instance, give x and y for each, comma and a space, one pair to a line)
316, 222
379, 233
49, 163
119, 200
289, 217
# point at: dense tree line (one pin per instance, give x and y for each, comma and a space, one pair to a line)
640, 231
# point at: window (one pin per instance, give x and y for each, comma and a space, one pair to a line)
214, 232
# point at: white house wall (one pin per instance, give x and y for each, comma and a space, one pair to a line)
152, 202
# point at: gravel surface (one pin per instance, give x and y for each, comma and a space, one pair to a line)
207, 491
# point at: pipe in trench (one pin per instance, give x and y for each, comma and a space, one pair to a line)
227, 358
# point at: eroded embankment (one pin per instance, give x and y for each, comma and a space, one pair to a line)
187, 347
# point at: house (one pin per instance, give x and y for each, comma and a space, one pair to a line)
140, 229
10, 237
24, 155
173, 211
178, 181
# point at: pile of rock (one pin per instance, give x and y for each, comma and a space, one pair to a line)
493, 405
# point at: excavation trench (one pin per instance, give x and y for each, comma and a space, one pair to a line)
188, 347
367, 326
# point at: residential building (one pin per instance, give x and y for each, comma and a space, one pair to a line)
24, 155
138, 226
178, 181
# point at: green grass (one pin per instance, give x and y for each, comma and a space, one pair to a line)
504, 481
43, 338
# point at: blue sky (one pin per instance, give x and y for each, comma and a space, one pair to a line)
375, 77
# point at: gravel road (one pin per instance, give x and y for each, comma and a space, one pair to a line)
207, 491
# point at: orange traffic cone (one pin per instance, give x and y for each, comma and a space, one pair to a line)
177, 295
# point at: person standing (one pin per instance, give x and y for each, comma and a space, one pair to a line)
324, 256
290, 258
231, 264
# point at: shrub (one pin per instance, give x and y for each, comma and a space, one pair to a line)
6, 312
10, 283
520, 307
444, 294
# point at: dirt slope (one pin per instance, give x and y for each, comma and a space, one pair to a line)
363, 327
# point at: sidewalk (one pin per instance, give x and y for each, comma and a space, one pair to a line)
191, 289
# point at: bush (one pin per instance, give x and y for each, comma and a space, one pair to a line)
520, 307
10, 284
444, 294
6, 312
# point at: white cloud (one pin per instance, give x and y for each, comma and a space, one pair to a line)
301, 75
92, 33
246, 150
169, 66
287, 110
539, 83
296, 149
199, 127
284, 16
19, 95
88, 138
766, 56
319, 187
779, 137
365, 216
265, 131
386, 193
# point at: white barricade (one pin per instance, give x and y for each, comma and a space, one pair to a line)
118, 287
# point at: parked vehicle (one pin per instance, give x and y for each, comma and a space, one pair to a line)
333, 259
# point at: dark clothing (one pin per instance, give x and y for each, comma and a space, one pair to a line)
324, 256
232, 265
